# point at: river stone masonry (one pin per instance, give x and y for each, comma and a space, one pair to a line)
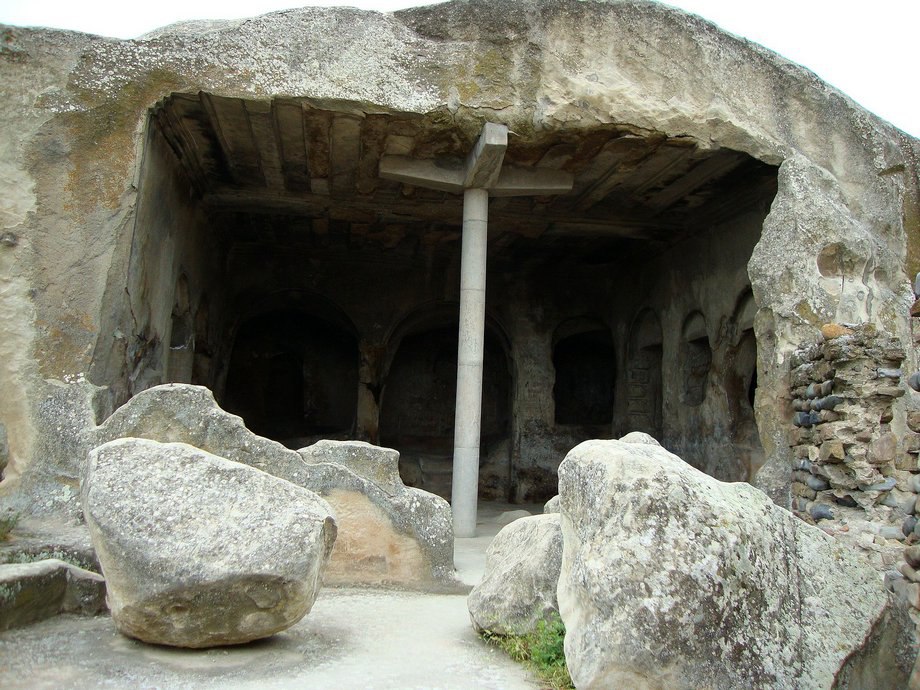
854, 471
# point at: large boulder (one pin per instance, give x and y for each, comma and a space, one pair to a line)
388, 533
199, 551
518, 588
672, 579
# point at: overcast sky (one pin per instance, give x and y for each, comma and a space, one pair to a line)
867, 49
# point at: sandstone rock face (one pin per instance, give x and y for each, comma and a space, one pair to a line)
640, 438
198, 551
671, 579
387, 533
518, 587
373, 463
62, 436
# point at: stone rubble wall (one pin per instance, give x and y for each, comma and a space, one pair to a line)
854, 466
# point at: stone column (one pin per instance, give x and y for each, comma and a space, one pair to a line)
471, 344
477, 177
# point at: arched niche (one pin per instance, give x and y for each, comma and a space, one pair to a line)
695, 360
644, 374
584, 362
418, 403
293, 377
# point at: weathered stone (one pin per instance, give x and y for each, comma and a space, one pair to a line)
901, 500
903, 480
889, 373
676, 589
65, 414
906, 461
837, 476
799, 489
509, 516
828, 403
914, 382
845, 499
817, 483
832, 451
908, 592
199, 551
390, 534
518, 587
834, 330
376, 464
821, 511
913, 420
890, 391
640, 438
551, 506
884, 485
387, 533
912, 556
31, 592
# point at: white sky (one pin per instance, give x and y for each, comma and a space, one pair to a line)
869, 50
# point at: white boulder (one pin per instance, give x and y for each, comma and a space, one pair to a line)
518, 588
199, 551
672, 579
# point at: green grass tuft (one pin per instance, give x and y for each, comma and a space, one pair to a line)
541, 651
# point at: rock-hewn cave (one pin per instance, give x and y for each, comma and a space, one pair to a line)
318, 299
220, 203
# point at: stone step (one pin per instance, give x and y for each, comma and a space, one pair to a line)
31, 592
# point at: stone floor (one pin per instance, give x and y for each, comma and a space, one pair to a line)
353, 638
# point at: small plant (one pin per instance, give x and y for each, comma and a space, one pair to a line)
541, 651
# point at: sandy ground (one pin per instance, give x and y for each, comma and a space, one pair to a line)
353, 638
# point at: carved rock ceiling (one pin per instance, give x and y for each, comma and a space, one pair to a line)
288, 158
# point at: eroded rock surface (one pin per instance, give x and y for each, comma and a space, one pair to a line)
199, 551
390, 533
387, 533
30, 592
518, 587
672, 579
